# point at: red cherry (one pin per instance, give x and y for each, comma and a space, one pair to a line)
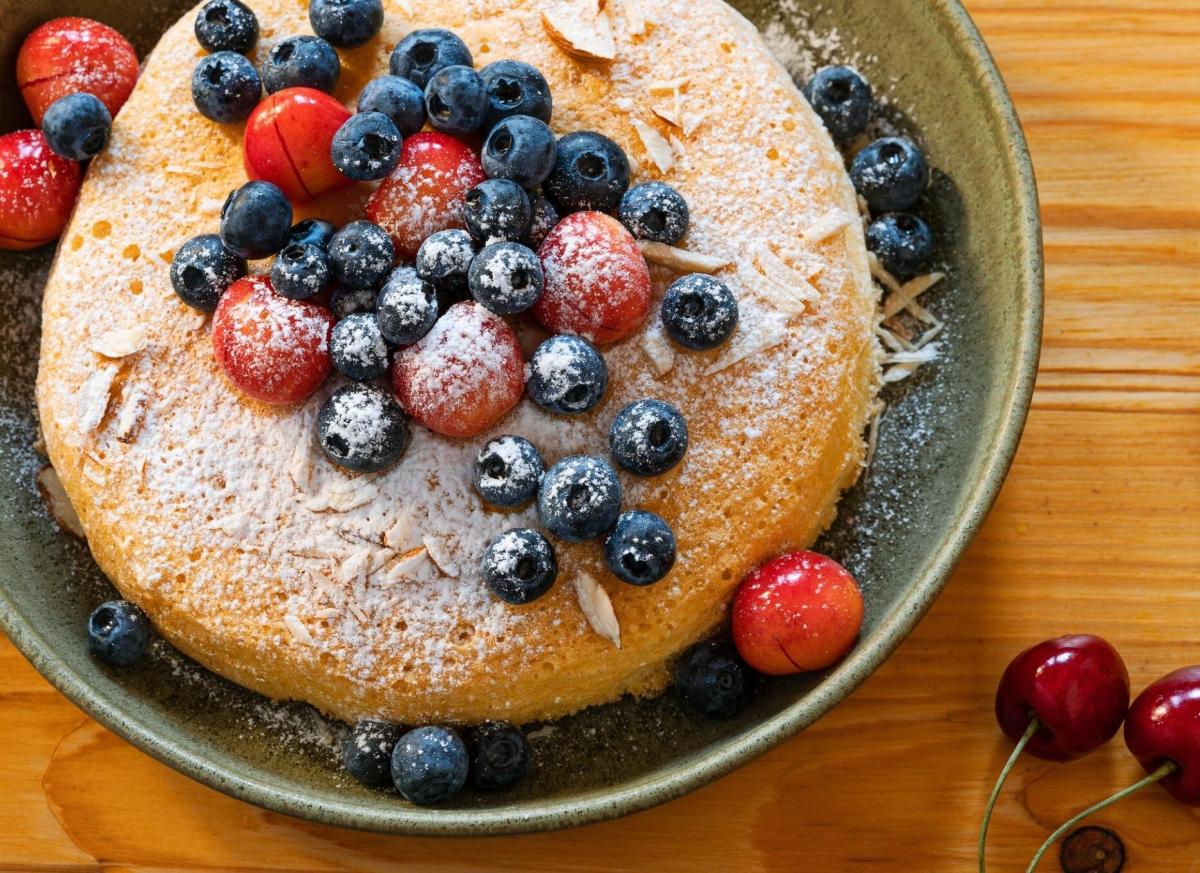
68, 55
287, 142
801, 611
424, 194
37, 190
1163, 726
597, 282
274, 349
462, 376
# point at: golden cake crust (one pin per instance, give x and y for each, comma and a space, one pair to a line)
362, 594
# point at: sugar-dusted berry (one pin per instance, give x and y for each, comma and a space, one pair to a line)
289, 138
37, 190
72, 55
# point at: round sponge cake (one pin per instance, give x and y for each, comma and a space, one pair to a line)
363, 594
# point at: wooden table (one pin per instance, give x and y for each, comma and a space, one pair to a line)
1097, 529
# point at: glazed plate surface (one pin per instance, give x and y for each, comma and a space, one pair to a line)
945, 443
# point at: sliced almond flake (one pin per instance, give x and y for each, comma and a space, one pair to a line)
655, 144
832, 222
94, 396
658, 349
923, 355
404, 566
768, 333
668, 86
542, 732
300, 467
597, 608
584, 31
354, 569
803, 263
669, 114
328, 613
778, 272
927, 337
692, 122
180, 171
635, 17
210, 205
299, 632
404, 7
882, 276
440, 553
95, 458
891, 340
906, 295
57, 502
337, 497
402, 536
681, 260
624, 104
680, 151
357, 612
140, 466
119, 342
131, 415
778, 298
234, 524
95, 476
899, 372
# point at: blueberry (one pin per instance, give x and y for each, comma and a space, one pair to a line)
567, 374
497, 210
367, 752
300, 271
590, 172
648, 437
361, 427
77, 126
225, 87
407, 307
346, 23
456, 100
640, 549
256, 220
398, 98
890, 174
655, 211
902, 242
202, 269
429, 765
444, 259
699, 312
301, 62
580, 498
842, 98
226, 26
118, 632
357, 347
312, 231
361, 254
346, 301
366, 147
520, 148
712, 681
519, 566
507, 471
425, 52
506, 278
545, 216
500, 756
516, 88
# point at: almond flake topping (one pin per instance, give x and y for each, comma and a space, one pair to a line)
681, 260
94, 397
441, 555
52, 491
597, 608
404, 7
656, 145
769, 331
832, 222
298, 631
658, 348
583, 30
405, 565
131, 415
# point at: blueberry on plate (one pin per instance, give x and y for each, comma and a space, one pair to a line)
361, 254
648, 437
654, 211
519, 566
640, 549
423, 53
361, 427
346, 23
520, 148
456, 100
890, 174
516, 88
367, 751
366, 147
545, 216
256, 220
712, 681
507, 471
407, 307
500, 756
567, 374
202, 269
902, 242
345, 301
312, 231
429, 765
497, 210
444, 259
300, 271
506, 278
842, 99
301, 62
357, 347
225, 87
699, 312
590, 172
580, 498
226, 26
398, 98
118, 632
77, 126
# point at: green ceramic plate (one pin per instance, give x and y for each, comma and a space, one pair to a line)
944, 447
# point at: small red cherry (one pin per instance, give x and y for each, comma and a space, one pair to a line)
424, 194
68, 55
597, 282
1163, 726
799, 612
462, 376
274, 349
37, 190
288, 136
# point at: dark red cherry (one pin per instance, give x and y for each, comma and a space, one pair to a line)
1163, 727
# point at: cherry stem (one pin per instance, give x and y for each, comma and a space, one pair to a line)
1034, 724
1157, 776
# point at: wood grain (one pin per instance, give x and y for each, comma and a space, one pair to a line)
1098, 529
